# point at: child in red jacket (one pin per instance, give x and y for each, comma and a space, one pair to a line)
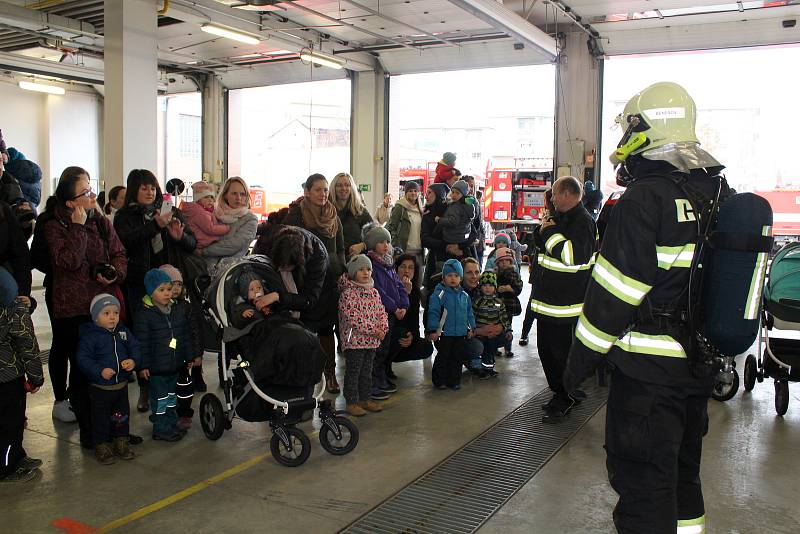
445, 170
363, 324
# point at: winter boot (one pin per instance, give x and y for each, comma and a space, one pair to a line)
355, 410
122, 449
371, 406
143, 404
104, 454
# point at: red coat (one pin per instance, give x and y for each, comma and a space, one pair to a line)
444, 173
203, 223
74, 250
361, 314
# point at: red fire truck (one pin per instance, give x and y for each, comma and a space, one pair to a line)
786, 212
515, 194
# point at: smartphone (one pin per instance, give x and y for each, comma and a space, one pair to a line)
166, 206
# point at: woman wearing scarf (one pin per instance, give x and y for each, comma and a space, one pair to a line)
405, 223
352, 212
232, 208
151, 240
317, 214
431, 234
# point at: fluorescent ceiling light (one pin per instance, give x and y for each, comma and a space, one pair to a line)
279, 52
325, 61
42, 88
229, 33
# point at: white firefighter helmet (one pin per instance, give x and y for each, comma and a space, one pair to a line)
659, 124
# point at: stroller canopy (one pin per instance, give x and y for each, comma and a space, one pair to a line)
782, 291
223, 292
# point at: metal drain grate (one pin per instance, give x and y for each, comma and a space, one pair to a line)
461, 493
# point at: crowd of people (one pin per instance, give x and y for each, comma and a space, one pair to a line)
119, 292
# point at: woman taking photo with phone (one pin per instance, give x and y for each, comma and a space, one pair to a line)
152, 237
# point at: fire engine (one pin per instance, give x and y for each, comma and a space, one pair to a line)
514, 194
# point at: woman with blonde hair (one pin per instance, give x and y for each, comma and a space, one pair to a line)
232, 208
353, 214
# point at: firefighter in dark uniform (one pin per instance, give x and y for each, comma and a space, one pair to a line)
634, 318
566, 241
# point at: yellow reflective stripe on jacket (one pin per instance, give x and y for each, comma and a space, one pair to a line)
756, 287
567, 256
572, 310
553, 264
692, 526
552, 241
655, 345
669, 257
592, 337
623, 287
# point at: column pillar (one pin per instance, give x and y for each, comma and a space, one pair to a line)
578, 105
368, 134
214, 157
131, 72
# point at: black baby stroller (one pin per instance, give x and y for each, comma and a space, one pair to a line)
780, 359
270, 369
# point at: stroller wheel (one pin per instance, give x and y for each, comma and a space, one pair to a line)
212, 416
295, 451
725, 391
750, 372
781, 396
348, 436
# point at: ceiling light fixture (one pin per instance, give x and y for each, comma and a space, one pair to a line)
320, 59
42, 88
229, 33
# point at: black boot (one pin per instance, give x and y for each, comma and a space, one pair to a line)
197, 378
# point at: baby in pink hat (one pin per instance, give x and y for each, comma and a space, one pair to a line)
200, 214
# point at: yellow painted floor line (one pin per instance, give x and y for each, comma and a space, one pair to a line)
207, 483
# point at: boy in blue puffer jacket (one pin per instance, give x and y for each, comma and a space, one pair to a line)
450, 323
163, 330
107, 353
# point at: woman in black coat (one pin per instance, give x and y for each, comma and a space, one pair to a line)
14, 254
435, 206
406, 342
151, 240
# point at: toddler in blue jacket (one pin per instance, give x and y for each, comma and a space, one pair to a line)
107, 354
450, 323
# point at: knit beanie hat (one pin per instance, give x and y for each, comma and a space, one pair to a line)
449, 158
174, 274
375, 235
410, 185
358, 262
502, 236
503, 253
462, 187
9, 290
489, 278
452, 266
202, 190
101, 301
154, 278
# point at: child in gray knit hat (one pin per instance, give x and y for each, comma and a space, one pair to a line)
456, 223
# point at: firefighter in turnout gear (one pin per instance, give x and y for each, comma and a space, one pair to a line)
634, 317
566, 241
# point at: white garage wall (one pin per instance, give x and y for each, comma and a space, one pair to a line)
54, 131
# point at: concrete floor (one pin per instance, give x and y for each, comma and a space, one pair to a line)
233, 485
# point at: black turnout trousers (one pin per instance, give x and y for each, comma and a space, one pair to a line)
654, 440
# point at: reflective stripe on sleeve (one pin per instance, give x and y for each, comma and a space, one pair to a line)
669, 257
692, 526
655, 345
756, 287
592, 337
572, 310
567, 254
553, 264
552, 241
623, 287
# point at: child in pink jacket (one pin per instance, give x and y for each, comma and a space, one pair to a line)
363, 324
200, 215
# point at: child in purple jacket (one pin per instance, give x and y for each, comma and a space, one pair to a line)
393, 296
